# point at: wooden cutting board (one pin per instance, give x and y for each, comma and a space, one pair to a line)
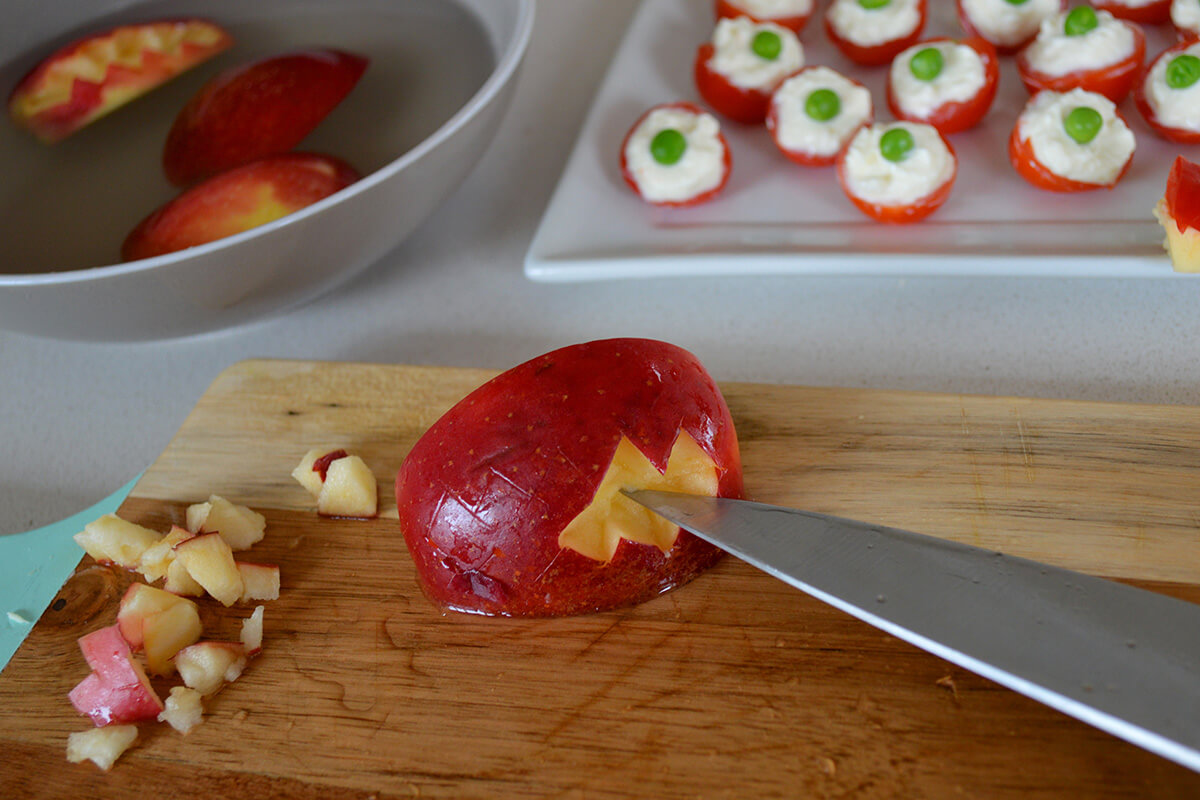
732, 686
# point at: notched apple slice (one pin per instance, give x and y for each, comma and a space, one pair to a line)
99, 73
611, 516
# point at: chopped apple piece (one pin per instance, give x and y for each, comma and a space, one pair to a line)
207, 666
209, 560
259, 581
140, 602
117, 690
180, 582
252, 632
311, 475
101, 746
349, 490
168, 632
112, 540
158, 557
184, 709
242, 527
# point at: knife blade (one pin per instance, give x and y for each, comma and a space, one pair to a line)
1122, 659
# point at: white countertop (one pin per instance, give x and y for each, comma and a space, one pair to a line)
78, 421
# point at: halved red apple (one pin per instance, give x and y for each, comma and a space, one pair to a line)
94, 75
257, 110
238, 200
510, 503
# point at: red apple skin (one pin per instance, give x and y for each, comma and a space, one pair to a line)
257, 110
484, 494
60, 95
117, 690
238, 200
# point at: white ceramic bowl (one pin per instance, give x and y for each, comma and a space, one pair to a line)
441, 76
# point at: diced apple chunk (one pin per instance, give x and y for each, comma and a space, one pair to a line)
101, 746
252, 632
157, 558
168, 632
349, 490
207, 666
259, 581
239, 525
310, 478
180, 582
113, 540
140, 602
117, 690
209, 560
184, 709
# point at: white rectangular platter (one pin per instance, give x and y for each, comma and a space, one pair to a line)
778, 218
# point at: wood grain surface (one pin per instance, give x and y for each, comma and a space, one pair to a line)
733, 686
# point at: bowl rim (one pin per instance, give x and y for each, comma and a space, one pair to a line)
506, 66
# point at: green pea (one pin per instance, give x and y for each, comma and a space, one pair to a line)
1080, 20
822, 104
1183, 71
896, 144
870, 5
926, 64
1016, 2
767, 44
1083, 123
668, 146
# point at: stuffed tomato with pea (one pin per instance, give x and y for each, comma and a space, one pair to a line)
1084, 49
1169, 95
1071, 142
1185, 16
675, 155
947, 83
744, 62
814, 113
872, 32
1145, 12
791, 14
1008, 25
897, 172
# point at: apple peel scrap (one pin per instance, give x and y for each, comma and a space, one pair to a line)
158, 631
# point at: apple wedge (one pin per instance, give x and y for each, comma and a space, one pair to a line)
99, 73
256, 110
349, 490
252, 633
112, 540
311, 470
117, 690
166, 633
208, 559
259, 581
101, 746
510, 503
239, 525
180, 582
207, 666
236, 201
141, 602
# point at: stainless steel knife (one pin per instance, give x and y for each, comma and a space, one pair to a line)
1117, 657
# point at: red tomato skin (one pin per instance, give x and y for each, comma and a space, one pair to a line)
1179, 135
876, 55
1114, 81
964, 19
747, 106
1187, 35
803, 157
1037, 174
703, 197
1154, 13
956, 117
727, 10
918, 210
1182, 197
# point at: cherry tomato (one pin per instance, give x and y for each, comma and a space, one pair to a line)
691, 201
1182, 197
748, 106
1114, 81
1003, 49
1027, 165
1149, 14
953, 117
1180, 135
875, 55
729, 9
902, 214
804, 157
